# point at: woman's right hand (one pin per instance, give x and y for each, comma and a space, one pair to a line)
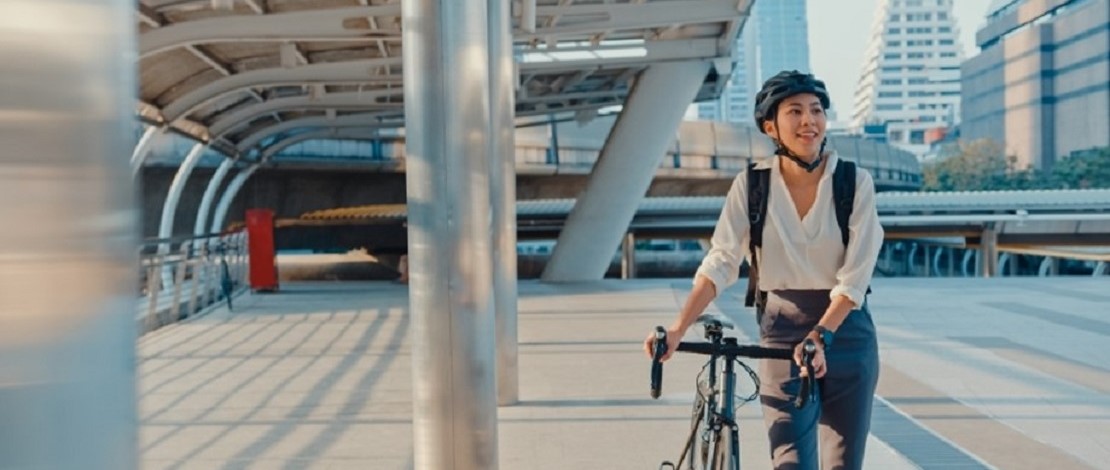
674, 336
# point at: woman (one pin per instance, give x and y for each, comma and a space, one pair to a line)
810, 284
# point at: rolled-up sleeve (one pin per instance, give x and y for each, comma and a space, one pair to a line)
730, 238
865, 239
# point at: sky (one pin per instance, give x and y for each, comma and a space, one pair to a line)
840, 29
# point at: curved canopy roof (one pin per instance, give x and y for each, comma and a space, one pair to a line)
241, 74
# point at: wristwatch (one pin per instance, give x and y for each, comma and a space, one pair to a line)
826, 336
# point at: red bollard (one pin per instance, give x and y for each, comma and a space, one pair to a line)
260, 243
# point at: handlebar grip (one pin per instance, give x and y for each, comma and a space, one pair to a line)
656, 361
804, 395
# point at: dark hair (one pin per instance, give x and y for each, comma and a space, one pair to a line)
782, 86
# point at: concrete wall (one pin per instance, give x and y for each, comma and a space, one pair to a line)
291, 193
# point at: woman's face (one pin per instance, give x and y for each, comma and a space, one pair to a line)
799, 124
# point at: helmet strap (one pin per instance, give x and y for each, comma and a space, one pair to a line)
808, 167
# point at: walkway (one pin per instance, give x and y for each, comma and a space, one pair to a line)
977, 373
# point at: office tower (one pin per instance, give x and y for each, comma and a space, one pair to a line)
1041, 84
774, 38
909, 88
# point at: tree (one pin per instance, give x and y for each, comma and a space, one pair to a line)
982, 165
1083, 170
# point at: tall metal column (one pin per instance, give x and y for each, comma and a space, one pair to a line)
628, 162
503, 197
67, 252
447, 124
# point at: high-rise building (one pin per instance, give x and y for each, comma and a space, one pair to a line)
910, 81
1041, 84
773, 39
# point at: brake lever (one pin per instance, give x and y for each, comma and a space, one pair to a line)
808, 390
657, 362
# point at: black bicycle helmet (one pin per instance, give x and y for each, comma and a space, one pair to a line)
780, 87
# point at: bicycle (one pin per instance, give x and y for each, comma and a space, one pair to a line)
714, 408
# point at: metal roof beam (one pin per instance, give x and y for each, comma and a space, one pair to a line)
149, 16
353, 71
309, 25
342, 101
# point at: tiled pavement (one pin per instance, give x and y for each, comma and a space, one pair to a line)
977, 373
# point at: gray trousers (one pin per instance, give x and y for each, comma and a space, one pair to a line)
842, 418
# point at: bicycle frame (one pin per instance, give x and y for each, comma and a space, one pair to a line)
715, 407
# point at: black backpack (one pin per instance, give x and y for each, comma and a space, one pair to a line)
844, 194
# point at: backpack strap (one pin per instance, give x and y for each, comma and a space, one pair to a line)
759, 186
844, 195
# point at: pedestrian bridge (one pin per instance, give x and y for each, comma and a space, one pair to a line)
976, 374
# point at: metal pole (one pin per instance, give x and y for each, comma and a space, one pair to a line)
230, 192
138, 156
68, 254
503, 197
628, 256
988, 252
169, 207
210, 195
447, 119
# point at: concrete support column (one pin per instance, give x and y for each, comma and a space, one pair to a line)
169, 207
628, 256
628, 162
927, 261
988, 253
68, 260
447, 124
951, 262
503, 196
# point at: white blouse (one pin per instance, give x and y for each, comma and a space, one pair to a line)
805, 253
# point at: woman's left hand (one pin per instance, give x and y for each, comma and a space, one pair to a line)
819, 365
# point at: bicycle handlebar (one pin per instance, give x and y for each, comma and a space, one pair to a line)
729, 351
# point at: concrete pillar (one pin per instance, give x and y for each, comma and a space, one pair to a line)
988, 253
68, 260
447, 123
169, 207
503, 197
927, 261
628, 256
951, 262
622, 174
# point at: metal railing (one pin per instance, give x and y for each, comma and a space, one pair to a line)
183, 276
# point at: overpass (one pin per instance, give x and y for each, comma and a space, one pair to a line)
243, 78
